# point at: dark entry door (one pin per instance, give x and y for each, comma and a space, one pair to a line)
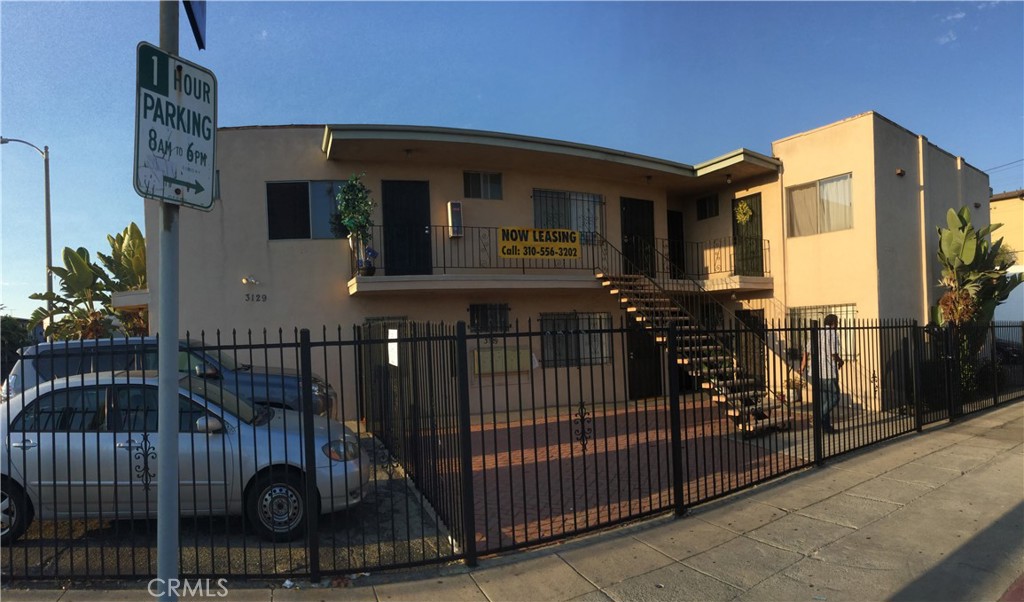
748, 243
750, 352
644, 364
406, 210
638, 236
676, 249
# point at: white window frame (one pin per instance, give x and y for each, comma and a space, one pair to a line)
820, 216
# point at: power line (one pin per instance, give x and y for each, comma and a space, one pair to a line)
1003, 165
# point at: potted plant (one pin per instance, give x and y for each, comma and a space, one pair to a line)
352, 218
794, 387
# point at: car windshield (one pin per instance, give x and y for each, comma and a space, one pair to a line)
215, 394
222, 357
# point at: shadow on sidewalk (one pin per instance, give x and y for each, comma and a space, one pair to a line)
986, 557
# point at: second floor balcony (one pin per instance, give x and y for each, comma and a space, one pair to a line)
436, 258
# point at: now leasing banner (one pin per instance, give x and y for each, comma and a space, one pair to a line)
538, 243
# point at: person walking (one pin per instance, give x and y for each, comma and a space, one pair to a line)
830, 348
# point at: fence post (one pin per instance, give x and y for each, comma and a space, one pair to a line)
675, 422
466, 447
952, 371
819, 441
916, 358
995, 367
309, 451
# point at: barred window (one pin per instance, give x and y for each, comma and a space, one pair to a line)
576, 339
580, 211
488, 317
801, 317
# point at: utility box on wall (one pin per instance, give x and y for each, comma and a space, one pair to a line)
454, 219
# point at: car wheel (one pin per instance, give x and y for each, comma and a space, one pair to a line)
276, 506
15, 512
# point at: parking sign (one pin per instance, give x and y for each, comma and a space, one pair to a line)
175, 129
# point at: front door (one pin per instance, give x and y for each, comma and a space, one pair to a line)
406, 211
644, 365
60, 450
750, 344
638, 236
748, 243
676, 246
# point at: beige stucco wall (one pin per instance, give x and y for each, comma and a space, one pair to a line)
305, 282
884, 264
835, 267
1010, 213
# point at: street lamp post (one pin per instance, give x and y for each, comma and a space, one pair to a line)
45, 153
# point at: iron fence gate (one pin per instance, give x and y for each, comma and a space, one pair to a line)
400, 444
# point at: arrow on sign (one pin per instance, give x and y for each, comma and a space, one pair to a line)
197, 186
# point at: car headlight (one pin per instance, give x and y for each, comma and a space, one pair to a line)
342, 450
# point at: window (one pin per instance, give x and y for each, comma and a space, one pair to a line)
801, 317
64, 411
137, 407
136, 410
480, 185
576, 339
822, 206
707, 207
297, 210
188, 413
488, 317
580, 211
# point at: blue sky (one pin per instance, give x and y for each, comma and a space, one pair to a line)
685, 81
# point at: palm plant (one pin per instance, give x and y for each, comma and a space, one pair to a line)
81, 309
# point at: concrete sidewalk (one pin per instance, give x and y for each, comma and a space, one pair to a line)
931, 516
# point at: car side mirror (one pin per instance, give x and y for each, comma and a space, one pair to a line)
207, 372
209, 424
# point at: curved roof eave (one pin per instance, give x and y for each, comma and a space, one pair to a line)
501, 140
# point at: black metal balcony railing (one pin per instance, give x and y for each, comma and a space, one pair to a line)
703, 260
431, 250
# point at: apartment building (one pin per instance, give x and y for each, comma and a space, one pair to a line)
839, 219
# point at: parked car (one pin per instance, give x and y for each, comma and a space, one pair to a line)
1009, 352
277, 387
85, 447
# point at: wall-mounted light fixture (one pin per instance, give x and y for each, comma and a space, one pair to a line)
250, 280
901, 172
728, 178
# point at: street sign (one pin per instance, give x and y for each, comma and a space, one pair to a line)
196, 11
175, 129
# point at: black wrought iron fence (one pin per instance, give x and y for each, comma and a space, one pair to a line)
404, 444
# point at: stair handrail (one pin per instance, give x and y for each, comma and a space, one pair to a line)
659, 258
638, 271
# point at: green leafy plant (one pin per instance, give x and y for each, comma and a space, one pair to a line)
974, 274
127, 267
353, 215
974, 271
83, 308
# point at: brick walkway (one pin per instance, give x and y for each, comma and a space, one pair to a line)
557, 474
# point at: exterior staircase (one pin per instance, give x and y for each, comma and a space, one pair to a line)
659, 303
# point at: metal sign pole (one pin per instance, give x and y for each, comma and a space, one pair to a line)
167, 444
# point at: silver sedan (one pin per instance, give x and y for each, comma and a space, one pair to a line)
85, 447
